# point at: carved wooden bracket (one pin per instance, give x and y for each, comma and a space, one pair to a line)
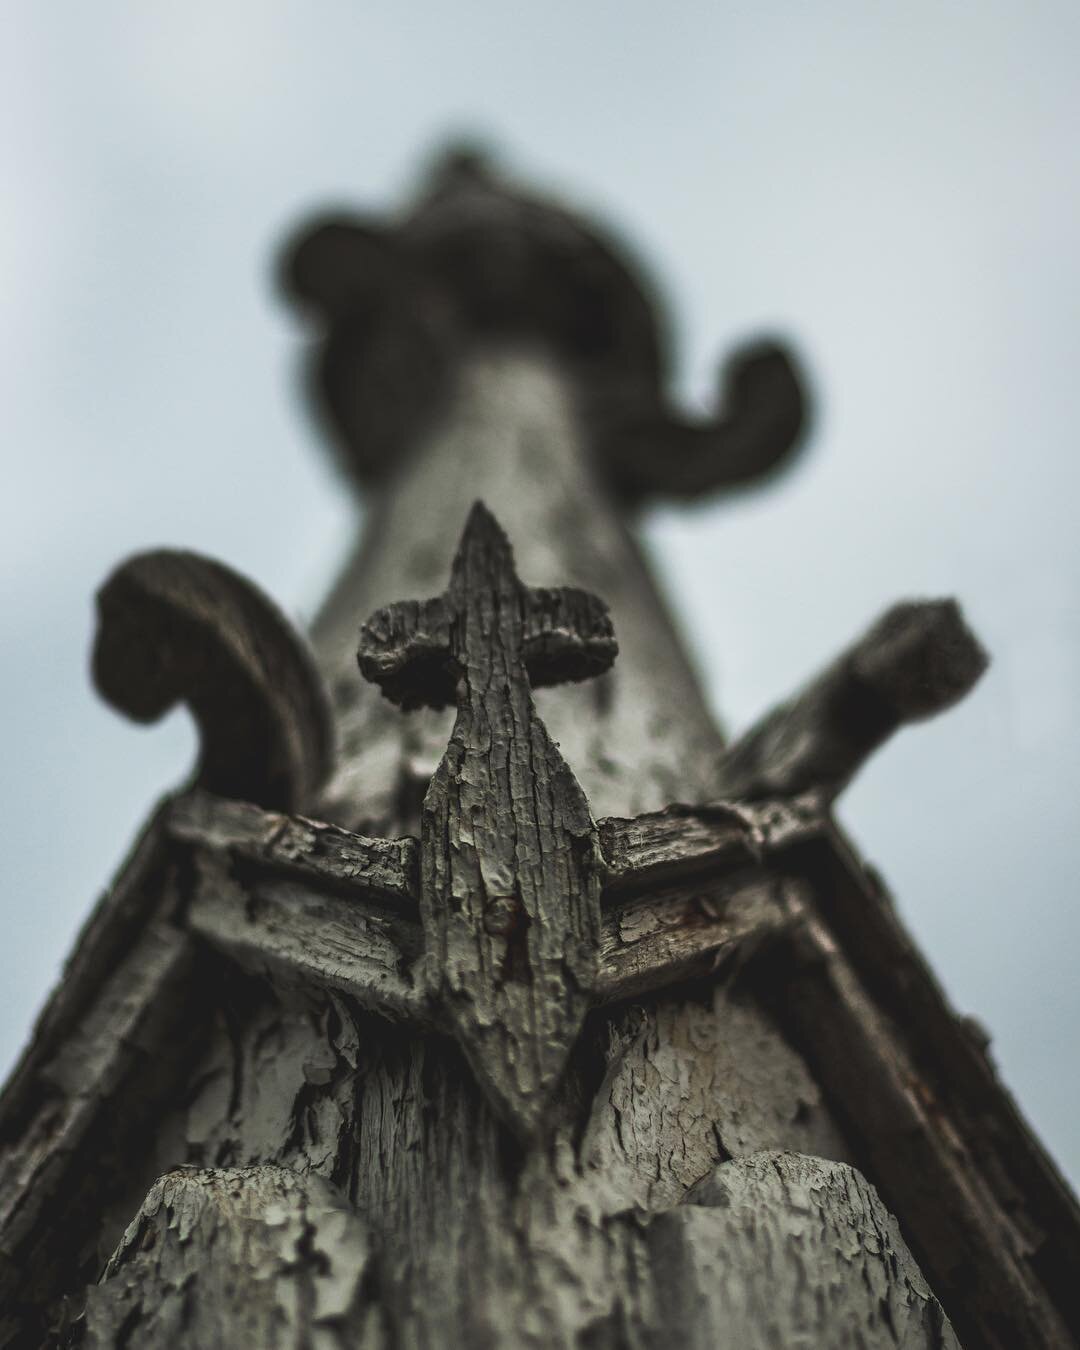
176, 627
510, 860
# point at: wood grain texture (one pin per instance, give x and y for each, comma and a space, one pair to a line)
964, 1234
510, 857
920, 1088
89, 1078
480, 1242
637, 737
238, 1257
332, 1172
296, 846
772, 1221
688, 932
176, 627
287, 932
921, 1083
297, 1078
319, 939
659, 846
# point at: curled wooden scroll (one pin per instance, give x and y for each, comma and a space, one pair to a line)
917, 660
758, 426
176, 627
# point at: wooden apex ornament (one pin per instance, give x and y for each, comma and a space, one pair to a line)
510, 857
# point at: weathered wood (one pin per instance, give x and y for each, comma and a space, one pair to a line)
650, 850
176, 627
286, 931
673, 937
239, 1257
480, 1243
99, 1031
917, 660
487, 338
981, 1134
348, 943
97, 1096
510, 858
654, 848
769, 1222
85, 1072
296, 846
113, 926
255, 904
763, 1011
965, 1235
639, 854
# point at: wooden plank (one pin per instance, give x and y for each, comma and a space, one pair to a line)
284, 929
295, 846
973, 1248
686, 933
951, 1055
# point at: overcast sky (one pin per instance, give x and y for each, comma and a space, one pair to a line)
893, 186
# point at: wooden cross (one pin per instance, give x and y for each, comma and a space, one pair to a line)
510, 858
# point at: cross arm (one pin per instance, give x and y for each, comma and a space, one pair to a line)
405, 649
568, 635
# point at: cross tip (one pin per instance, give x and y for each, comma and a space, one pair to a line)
463, 161
482, 529
481, 518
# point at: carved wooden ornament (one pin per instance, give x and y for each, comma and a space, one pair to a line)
510, 858
175, 627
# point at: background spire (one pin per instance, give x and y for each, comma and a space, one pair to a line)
397, 303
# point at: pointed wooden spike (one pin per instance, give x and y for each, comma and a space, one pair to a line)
176, 627
484, 547
510, 857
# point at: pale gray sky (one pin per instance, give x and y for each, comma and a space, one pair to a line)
895, 186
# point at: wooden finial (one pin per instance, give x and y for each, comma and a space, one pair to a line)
176, 627
510, 858
759, 424
478, 259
